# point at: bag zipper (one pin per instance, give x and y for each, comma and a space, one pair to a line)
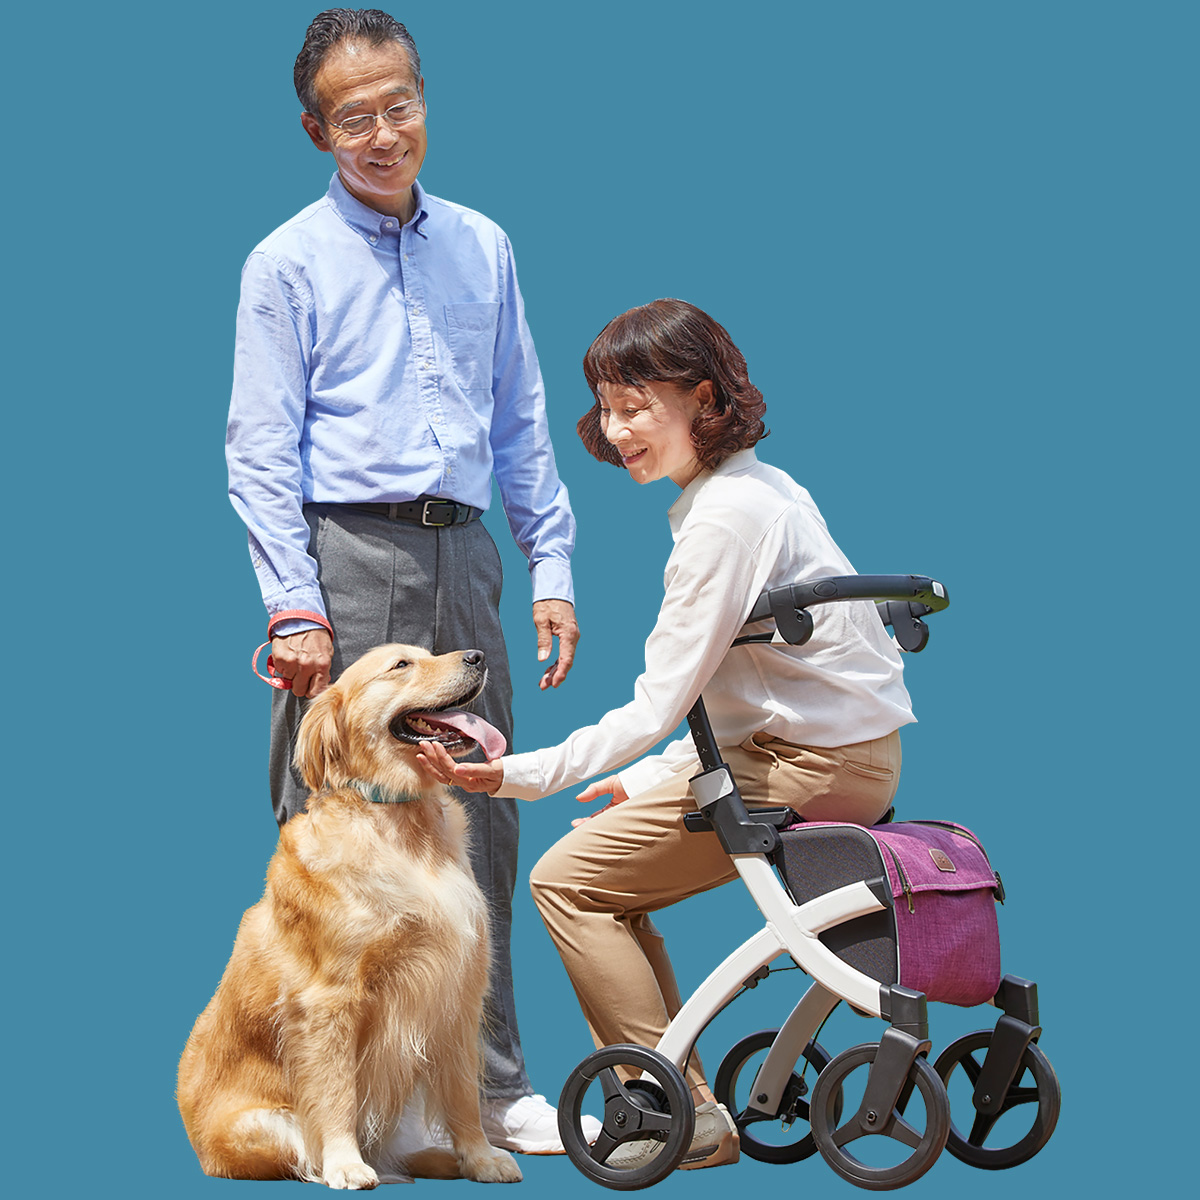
904, 884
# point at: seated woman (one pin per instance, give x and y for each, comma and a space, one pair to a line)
813, 727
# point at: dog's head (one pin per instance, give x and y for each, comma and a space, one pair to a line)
367, 725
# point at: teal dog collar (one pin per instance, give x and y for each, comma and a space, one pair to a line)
378, 795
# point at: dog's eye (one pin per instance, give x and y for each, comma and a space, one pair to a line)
402, 664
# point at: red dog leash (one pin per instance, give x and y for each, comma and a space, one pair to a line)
291, 613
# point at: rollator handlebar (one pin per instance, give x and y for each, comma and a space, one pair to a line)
902, 600
919, 588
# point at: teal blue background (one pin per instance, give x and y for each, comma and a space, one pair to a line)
957, 244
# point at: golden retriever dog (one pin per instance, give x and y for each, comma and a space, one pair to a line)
348, 1018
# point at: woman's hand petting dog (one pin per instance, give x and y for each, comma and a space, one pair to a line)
487, 777
471, 777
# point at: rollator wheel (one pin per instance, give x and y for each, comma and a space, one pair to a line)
786, 1137
648, 1123
899, 1151
1036, 1086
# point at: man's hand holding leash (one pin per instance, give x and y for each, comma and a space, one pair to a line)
304, 659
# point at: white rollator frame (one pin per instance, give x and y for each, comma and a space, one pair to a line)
658, 1107
790, 929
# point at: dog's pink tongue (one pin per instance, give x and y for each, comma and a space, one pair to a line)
488, 736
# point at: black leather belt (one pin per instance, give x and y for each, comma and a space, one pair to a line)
429, 511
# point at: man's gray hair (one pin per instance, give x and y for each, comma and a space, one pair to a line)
337, 25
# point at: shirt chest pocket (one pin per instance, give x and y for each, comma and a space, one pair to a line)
471, 334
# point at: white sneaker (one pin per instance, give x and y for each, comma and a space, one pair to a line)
528, 1125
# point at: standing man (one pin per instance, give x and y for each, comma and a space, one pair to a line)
383, 373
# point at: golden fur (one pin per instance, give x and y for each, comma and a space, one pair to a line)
351, 1006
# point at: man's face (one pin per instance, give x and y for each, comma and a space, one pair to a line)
379, 167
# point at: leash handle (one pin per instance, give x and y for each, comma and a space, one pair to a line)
290, 614
270, 677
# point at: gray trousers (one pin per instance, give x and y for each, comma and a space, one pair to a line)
393, 581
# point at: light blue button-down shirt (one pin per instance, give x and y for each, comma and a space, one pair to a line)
375, 363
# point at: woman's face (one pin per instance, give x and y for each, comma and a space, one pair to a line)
651, 429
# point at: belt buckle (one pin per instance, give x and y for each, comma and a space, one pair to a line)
438, 524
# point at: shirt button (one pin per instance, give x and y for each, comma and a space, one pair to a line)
389, 224
374, 238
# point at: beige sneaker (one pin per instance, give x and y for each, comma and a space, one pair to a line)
714, 1143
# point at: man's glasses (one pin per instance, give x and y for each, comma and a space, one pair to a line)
397, 116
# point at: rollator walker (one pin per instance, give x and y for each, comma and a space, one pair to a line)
883, 919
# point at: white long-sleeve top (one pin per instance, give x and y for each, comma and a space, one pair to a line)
738, 530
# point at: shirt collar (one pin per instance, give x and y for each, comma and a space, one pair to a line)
740, 460
365, 221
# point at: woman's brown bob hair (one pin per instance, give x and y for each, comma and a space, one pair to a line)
671, 341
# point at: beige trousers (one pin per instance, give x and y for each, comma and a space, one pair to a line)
596, 887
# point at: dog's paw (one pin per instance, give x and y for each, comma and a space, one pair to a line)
497, 1167
354, 1175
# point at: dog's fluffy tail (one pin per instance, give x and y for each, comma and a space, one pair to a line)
255, 1143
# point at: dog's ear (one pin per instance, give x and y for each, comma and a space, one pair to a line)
318, 756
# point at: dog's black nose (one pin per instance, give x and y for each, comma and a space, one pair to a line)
473, 658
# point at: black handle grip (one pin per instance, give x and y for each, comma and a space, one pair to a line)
919, 588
